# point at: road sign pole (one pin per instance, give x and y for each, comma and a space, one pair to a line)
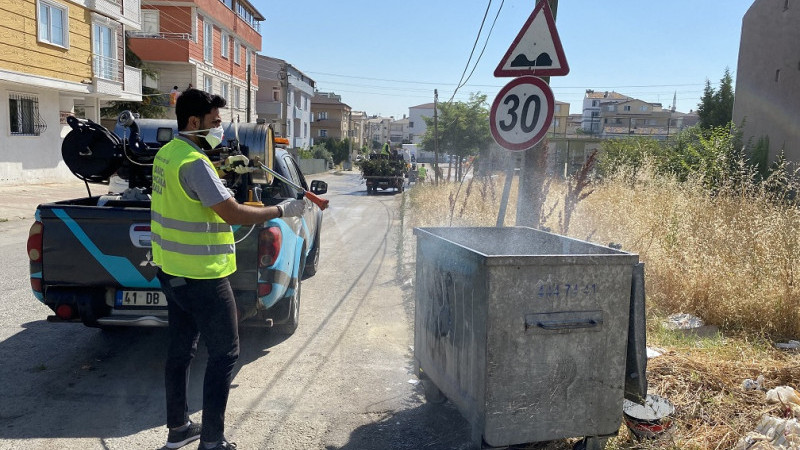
530, 197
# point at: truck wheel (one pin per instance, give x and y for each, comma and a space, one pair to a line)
290, 326
312, 260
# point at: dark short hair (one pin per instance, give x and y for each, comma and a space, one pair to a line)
197, 103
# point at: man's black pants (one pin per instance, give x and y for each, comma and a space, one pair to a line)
198, 307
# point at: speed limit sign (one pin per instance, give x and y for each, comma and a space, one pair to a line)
522, 113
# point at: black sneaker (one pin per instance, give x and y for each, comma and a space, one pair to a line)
223, 444
177, 439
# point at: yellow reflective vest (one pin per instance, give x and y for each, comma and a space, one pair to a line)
189, 239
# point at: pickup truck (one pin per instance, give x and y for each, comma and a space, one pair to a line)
382, 171
91, 260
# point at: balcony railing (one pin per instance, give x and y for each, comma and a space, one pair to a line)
132, 83
105, 67
132, 10
152, 35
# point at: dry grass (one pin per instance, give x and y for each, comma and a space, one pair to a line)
729, 258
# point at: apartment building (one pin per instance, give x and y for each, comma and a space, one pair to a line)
284, 100
560, 119
331, 117
591, 123
58, 58
399, 131
377, 131
358, 125
768, 82
416, 121
207, 44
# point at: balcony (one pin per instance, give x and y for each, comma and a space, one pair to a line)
155, 35
124, 11
111, 81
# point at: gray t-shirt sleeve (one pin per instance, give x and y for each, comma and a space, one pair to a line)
201, 182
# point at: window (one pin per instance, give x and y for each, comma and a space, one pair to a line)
52, 23
150, 21
275, 94
224, 91
627, 107
208, 84
24, 116
322, 115
305, 130
208, 41
237, 97
595, 102
643, 108
611, 108
103, 48
323, 133
228, 3
557, 108
237, 52
225, 43
410, 124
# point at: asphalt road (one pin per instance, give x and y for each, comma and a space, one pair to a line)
343, 381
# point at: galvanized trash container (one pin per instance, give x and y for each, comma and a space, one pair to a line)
525, 331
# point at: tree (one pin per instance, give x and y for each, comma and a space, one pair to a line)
463, 128
716, 107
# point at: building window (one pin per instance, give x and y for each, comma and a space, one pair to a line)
322, 115
228, 3
275, 94
53, 25
237, 52
150, 21
103, 48
323, 133
643, 108
237, 97
208, 84
610, 108
595, 102
24, 115
410, 124
224, 91
225, 43
208, 41
627, 107
305, 130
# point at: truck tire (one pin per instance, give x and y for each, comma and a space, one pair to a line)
312, 260
290, 326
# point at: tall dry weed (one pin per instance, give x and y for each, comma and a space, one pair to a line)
730, 258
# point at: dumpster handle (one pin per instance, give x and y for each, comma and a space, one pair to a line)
565, 325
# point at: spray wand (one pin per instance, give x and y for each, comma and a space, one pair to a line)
317, 200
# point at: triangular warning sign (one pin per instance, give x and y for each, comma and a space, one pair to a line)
537, 49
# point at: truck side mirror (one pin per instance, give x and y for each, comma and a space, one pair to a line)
319, 187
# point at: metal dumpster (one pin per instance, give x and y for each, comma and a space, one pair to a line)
525, 331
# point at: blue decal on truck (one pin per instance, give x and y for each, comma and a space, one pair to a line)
118, 267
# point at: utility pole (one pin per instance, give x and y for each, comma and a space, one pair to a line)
436, 136
283, 78
531, 178
247, 103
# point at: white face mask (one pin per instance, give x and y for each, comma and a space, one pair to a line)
213, 137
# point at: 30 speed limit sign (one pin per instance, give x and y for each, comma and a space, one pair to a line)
522, 113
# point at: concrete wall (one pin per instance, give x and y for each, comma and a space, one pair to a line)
312, 166
768, 82
33, 159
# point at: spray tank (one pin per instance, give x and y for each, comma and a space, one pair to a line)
124, 159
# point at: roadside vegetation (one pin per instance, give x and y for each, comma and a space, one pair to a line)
717, 229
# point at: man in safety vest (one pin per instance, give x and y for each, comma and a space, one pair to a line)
386, 147
422, 173
193, 245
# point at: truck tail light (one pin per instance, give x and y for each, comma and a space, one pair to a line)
35, 242
269, 246
65, 312
264, 289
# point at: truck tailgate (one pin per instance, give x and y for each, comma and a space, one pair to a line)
86, 245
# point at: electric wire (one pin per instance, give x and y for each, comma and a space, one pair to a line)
474, 45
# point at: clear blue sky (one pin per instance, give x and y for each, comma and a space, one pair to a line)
383, 57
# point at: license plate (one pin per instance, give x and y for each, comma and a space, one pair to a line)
147, 299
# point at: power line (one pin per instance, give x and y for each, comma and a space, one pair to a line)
474, 45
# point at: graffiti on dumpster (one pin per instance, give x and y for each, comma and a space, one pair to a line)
566, 290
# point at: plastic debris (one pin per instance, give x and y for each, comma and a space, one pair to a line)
783, 394
791, 345
683, 322
413, 381
753, 385
772, 433
653, 352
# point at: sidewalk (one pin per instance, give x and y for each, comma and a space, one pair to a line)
19, 202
